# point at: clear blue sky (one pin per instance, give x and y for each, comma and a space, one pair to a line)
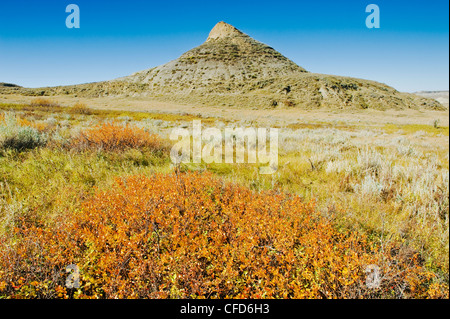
409, 52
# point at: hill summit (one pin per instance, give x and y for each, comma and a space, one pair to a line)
231, 69
228, 56
223, 30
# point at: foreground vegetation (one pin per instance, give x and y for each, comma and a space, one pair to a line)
97, 189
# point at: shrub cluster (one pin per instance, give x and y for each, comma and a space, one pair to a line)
14, 134
42, 102
116, 137
80, 108
192, 236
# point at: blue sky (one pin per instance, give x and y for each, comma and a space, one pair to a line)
409, 52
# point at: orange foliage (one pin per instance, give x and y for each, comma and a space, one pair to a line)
192, 236
116, 137
39, 126
24, 122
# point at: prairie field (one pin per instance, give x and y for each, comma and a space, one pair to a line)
87, 182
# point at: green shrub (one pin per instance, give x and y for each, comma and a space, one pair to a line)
18, 137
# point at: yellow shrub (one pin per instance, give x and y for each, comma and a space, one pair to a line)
42, 102
80, 108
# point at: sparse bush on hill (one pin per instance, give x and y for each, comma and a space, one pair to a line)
192, 236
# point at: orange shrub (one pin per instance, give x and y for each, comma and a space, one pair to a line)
80, 108
191, 236
24, 122
116, 137
42, 127
20, 121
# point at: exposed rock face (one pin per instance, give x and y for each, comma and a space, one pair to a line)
227, 57
223, 30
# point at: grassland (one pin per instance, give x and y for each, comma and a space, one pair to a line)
378, 193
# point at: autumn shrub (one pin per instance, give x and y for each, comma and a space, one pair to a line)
42, 102
40, 126
41, 105
193, 236
117, 137
80, 108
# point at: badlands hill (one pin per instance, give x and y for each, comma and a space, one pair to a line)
233, 69
441, 96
